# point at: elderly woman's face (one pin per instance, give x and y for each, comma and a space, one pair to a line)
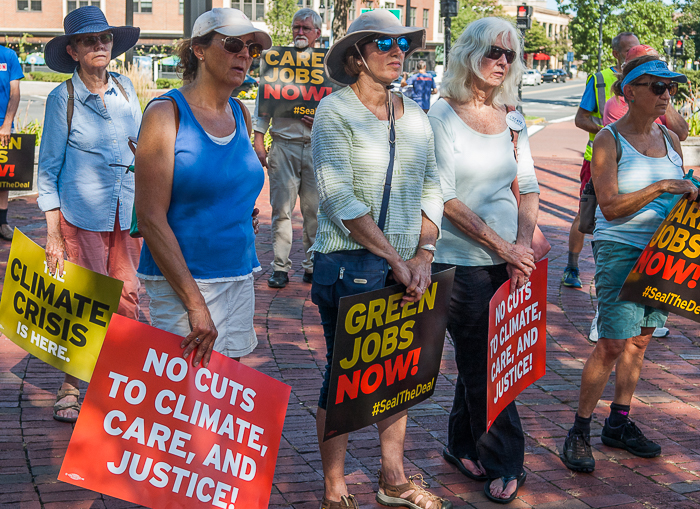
385, 65
225, 65
641, 95
92, 50
495, 71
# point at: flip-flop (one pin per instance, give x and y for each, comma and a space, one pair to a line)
451, 458
487, 488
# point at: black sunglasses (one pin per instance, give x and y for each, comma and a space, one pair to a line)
659, 87
236, 45
385, 43
91, 40
495, 53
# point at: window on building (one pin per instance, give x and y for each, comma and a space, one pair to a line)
181, 7
305, 3
72, 5
352, 11
254, 9
441, 26
143, 6
426, 18
28, 5
389, 5
412, 17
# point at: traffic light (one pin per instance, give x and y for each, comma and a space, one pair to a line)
524, 17
678, 50
668, 47
449, 8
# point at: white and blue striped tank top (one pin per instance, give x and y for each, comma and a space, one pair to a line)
636, 171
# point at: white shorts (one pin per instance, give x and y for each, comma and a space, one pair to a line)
231, 304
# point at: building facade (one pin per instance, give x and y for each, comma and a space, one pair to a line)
161, 21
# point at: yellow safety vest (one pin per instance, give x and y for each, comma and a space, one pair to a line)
603, 84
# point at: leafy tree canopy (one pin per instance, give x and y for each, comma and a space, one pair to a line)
279, 21
471, 10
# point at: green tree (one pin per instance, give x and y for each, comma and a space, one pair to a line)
651, 20
536, 40
471, 10
279, 21
689, 25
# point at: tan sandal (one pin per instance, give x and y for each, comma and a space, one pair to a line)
418, 499
345, 501
57, 407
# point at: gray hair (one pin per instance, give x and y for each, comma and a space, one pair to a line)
467, 54
422, 64
617, 40
304, 13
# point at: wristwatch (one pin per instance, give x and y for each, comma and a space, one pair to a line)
428, 247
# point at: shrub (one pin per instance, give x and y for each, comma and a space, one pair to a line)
54, 77
168, 83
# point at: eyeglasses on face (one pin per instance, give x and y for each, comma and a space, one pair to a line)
236, 45
495, 53
659, 87
385, 43
91, 40
302, 28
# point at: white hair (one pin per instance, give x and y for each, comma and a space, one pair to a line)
467, 54
304, 13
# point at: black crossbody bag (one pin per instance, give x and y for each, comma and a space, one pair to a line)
342, 273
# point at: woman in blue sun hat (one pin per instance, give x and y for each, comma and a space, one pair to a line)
83, 188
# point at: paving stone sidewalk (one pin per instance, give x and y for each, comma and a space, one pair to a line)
292, 349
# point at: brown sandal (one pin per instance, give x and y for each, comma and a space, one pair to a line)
57, 407
418, 499
345, 501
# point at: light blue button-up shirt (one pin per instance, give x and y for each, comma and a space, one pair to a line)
74, 172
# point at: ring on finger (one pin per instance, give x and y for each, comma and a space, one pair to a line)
197, 340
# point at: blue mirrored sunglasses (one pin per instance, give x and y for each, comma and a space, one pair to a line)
385, 43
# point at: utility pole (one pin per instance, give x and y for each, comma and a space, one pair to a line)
192, 10
129, 21
448, 10
600, 35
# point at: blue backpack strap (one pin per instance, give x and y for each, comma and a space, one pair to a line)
618, 145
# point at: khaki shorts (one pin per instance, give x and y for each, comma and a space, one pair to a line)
231, 304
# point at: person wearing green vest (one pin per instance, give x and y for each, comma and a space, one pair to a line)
589, 117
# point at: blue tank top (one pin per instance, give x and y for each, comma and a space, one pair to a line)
636, 171
213, 196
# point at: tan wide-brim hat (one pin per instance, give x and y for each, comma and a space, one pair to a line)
378, 22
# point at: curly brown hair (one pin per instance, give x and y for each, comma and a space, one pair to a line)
189, 64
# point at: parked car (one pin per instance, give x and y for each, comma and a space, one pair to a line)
532, 77
554, 75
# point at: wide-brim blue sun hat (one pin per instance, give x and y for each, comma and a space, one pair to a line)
86, 20
656, 68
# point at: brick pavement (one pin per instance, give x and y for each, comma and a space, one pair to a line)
292, 349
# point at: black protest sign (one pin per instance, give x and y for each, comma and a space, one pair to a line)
386, 358
292, 82
17, 163
667, 272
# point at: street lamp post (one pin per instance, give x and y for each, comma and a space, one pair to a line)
600, 35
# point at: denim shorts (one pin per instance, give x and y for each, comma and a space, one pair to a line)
619, 319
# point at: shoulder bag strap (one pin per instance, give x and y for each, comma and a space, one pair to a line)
70, 104
513, 135
246, 115
390, 169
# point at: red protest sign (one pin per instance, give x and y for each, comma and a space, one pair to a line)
518, 341
155, 431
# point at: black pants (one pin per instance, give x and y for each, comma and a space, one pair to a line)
502, 449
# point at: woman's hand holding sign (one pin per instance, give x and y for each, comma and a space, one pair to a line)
55, 247
201, 339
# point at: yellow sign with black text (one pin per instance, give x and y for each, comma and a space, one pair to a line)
61, 320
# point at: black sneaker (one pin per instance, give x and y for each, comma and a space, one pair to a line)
630, 438
577, 454
278, 279
308, 277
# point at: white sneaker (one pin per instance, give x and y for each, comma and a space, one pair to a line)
593, 334
660, 332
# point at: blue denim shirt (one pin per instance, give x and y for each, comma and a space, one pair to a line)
74, 172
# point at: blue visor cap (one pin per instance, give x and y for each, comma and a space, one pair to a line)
654, 68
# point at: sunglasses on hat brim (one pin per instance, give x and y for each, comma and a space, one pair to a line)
235, 45
495, 53
385, 43
659, 87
